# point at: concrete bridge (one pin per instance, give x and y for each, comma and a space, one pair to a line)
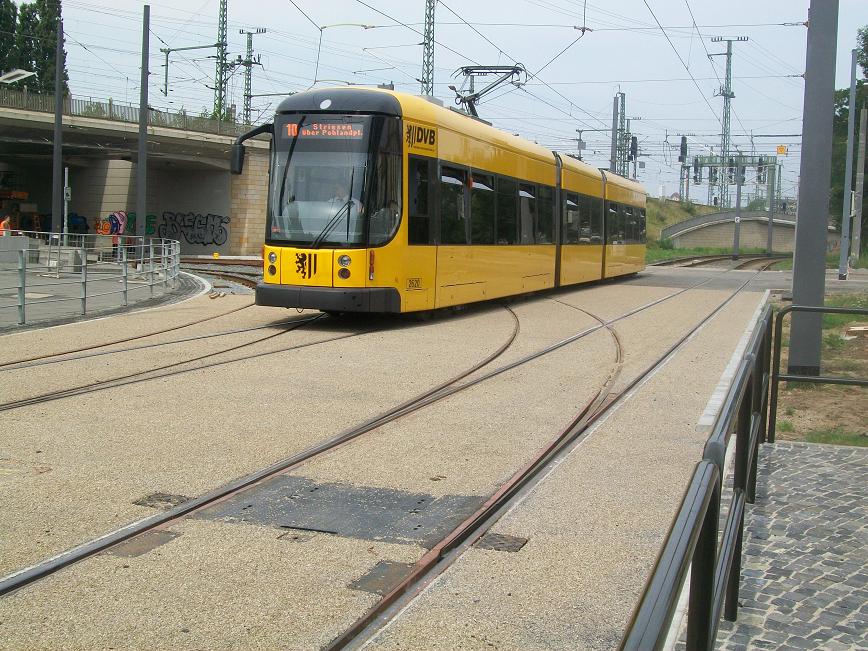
191, 195
717, 230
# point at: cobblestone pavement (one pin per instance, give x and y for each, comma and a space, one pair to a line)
805, 568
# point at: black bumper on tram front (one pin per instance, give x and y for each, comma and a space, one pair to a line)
330, 299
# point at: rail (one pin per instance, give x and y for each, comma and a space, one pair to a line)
692, 541
811, 379
118, 112
88, 261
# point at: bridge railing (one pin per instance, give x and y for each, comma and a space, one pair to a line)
117, 111
48, 268
711, 218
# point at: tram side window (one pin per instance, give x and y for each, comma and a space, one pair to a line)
572, 225
419, 196
507, 215
636, 230
629, 225
452, 218
592, 212
614, 223
384, 200
482, 200
545, 231
527, 212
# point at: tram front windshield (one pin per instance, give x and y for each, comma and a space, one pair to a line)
335, 180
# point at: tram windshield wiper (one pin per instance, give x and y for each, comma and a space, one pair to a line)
318, 240
286, 168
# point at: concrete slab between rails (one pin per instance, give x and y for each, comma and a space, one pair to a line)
594, 525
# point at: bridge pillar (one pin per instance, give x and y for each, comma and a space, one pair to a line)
248, 202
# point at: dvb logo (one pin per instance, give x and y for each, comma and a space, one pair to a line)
421, 137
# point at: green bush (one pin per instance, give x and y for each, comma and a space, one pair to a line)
667, 245
834, 341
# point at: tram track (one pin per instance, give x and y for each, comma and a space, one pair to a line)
433, 395
445, 553
761, 264
72, 357
708, 260
240, 279
139, 376
82, 349
51, 565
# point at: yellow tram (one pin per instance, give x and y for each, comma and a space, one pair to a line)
387, 202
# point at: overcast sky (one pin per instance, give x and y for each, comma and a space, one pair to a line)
624, 49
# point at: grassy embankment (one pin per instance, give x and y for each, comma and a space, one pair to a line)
829, 413
664, 212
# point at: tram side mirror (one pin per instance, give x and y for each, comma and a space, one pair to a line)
236, 159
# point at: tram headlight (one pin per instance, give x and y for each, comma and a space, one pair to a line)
344, 273
345, 261
272, 257
272, 270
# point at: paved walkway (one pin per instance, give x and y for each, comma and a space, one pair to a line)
805, 567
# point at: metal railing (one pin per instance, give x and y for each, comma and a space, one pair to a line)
89, 261
692, 541
811, 379
118, 112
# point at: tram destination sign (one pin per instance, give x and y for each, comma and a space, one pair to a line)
327, 130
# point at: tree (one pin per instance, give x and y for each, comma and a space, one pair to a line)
862, 49
26, 44
8, 20
48, 13
29, 42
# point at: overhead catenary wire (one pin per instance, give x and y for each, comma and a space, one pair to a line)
674, 49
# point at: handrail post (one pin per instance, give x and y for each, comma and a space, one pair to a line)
701, 600
756, 386
164, 263
83, 278
733, 582
125, 273
767, 375
177, 246
742, 438
151, 265
22, 280
776, 368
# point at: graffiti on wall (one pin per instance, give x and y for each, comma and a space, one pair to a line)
113, 224
150, 224
195, 228
192, 228
119, 222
